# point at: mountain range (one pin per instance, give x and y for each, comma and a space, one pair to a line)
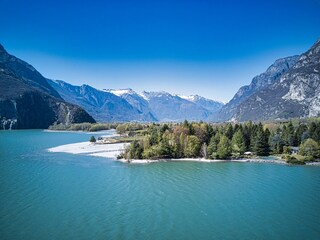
289, 88
28, 101
127, 105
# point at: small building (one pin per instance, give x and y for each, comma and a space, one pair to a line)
248, 153
294, 150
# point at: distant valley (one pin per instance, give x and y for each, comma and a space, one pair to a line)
289, 88
127, 105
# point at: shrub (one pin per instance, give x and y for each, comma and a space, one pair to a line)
99, 127
293, 160
310, 148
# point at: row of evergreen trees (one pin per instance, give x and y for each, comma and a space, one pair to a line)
223, 141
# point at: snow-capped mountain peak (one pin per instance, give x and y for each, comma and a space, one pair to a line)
191, 98
160, 94
197, 98
144, 95
120, 92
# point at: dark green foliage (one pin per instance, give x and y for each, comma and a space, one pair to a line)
92, 139
247, 136
135, 150
213, 146
301, 130
286, 150
224, 148
276, 143
193, 146
305, 136
315, 132
178, 151
214, 141
202, 132
153, 137
289, 136
238, 143
228, 131
165, 149
87, 127
310, 148
292, 160
260, 142
164, 128
126, 127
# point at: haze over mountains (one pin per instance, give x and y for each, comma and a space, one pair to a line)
289, 88
103, 106
127, 105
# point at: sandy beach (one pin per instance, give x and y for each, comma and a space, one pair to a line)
112, 150
92, 149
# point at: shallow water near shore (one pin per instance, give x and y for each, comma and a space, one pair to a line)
45, 195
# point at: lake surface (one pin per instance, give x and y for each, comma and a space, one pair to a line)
47, 195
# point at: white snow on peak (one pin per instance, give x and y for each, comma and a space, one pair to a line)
194, 98
148, 95
189, 97
144, 95
120, 92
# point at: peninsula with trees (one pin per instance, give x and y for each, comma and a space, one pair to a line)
295, 141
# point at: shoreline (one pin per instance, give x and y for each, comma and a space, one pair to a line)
203, 160
109, 150
112, 150
112, 131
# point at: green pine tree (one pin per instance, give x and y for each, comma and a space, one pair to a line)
193, 146
260, 143
224, 148
238, 143
213, 146
92, 139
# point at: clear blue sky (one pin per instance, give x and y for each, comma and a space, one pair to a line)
210, 48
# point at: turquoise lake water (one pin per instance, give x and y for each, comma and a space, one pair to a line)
47, 195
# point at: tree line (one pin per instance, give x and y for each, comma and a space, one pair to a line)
223, 141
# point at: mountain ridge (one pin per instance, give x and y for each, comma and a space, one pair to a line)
260, 81
290, 87
294, 94
28, 101
153, 106
103, 105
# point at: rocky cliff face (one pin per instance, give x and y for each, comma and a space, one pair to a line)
28, 101
296, 93
270, 76
27, 73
